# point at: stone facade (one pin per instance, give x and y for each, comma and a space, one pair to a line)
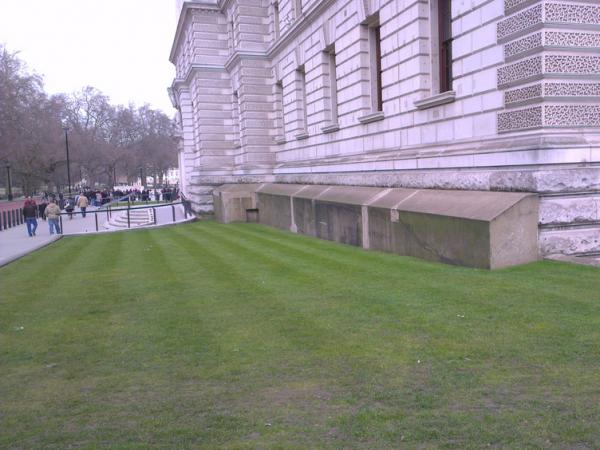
283, 91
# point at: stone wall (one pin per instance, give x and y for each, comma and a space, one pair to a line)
473, 228
256, 97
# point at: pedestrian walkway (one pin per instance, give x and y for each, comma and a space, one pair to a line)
15, 242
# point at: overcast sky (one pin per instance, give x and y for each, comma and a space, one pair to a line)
120, 47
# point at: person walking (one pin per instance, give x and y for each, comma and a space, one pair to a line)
42, 207
52, 212
30, 213
69, 207
83, 204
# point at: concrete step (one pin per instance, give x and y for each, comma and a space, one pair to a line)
137, 218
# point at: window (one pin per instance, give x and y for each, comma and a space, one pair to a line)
332, 66
441, 46
330, 83
440, 13
275, 20
302, 116
371, 36
297, 8
445, 44
279, 114
236, 120
375, 59
230, 35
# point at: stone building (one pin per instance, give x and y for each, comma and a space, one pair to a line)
481, 95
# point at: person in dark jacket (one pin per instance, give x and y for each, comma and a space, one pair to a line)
30, 214
42, 208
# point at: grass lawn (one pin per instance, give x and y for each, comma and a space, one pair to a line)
239, 336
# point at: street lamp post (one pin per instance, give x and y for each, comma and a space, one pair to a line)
9, 182
66, 128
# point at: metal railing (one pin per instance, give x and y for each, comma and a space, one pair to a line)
109, 211
11, 218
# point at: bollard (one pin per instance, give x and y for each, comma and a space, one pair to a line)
128, 221
62, 231
96, 217
173, 209
4, 220
154, 214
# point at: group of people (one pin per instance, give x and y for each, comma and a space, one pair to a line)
51, 205
166, 194
50, 209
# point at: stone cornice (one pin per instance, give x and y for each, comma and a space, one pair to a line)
188, 6
238, 55
179, 83
298, 27
172, 97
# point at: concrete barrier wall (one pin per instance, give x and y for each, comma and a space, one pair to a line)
471, 228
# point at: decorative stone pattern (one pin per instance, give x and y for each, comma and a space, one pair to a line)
521, 21
553, 116
510, 5
523, 94
520, 119
569, 13
551, 38
572, 115
572, 89
569, 64
537, 92
523, 45
520, 70
567, 39
549, 13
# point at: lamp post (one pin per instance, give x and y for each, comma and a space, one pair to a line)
66, 128
9, 181
142, 177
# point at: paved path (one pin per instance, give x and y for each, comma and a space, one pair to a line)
15, 242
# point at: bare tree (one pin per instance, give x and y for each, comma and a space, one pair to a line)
105, 140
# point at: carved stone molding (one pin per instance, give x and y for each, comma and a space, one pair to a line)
551, 40
520, 119
535, 67
520, 71
559, 14
572, 116
568, 91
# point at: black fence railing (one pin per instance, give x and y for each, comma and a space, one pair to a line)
108, 211
11, 218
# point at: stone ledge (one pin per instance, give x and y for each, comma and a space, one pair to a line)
373, 117
330, 128
436, 100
